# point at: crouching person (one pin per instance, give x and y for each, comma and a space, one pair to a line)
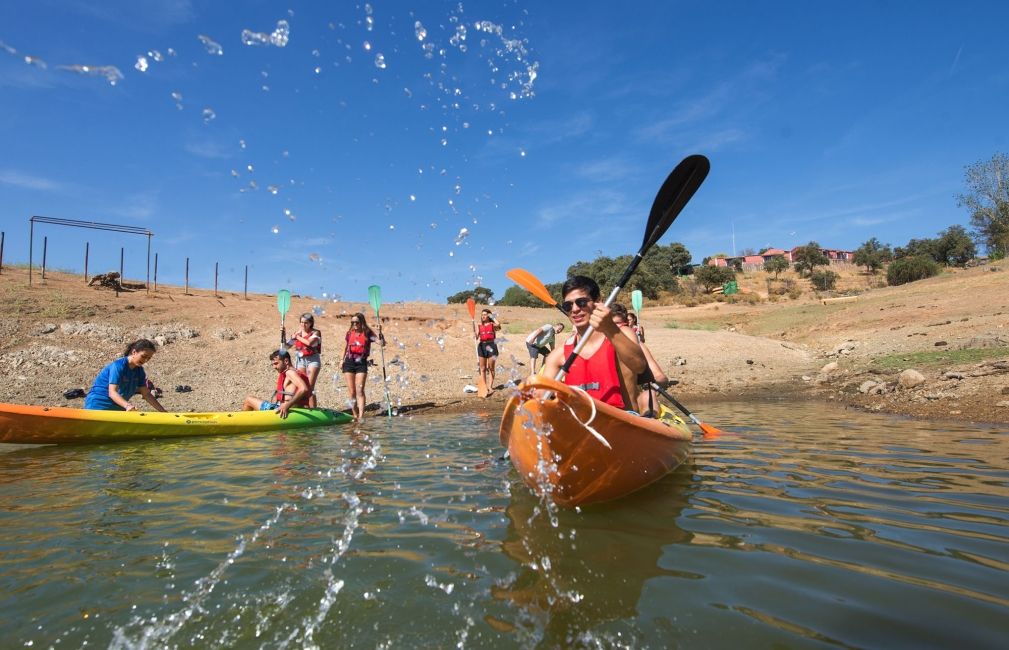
292, 388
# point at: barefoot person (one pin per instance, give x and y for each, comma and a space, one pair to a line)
122, 379
609, 356
355, 361
307, 343
486, 349
540, 342
292, 388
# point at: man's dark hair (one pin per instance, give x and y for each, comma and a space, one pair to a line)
280, 354
140, 345
618, 308
586, 284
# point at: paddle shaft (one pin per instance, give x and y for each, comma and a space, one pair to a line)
674, 402
381, 352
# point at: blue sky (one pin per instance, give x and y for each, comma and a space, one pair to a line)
544, 132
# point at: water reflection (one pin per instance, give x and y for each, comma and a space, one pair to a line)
592, 566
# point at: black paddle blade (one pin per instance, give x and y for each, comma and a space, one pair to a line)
680, 185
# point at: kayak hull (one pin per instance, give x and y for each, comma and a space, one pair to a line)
53, 424
553, 449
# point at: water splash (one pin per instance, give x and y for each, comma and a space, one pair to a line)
177, 98
209, 115
110, 72
212, 46
419, 31
461, 237
380, 61
141, 64
277, 38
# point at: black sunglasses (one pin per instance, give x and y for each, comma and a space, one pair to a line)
582, 303
354, 321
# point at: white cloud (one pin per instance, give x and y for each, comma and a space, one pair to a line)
29, 182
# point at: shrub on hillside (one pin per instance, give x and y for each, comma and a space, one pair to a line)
909, 269
823, 280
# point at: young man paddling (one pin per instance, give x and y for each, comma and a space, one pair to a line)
611, 359
292, 388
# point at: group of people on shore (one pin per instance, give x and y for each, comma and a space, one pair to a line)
613, 366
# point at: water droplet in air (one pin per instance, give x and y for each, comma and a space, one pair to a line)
234, 173
272, 189
367, 46
212, 46
522, 152
241, 144
413, 198
463, 234
314, 257
275, 230
392, 226
290, 215
380, 61
249, 167
278, 37
209, 115
419, 31
141, 64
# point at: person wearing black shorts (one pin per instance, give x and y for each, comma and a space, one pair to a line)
355, 362
486, 348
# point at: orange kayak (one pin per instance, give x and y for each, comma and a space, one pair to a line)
582, 451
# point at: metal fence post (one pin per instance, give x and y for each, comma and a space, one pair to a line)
2, 234
87, 247
187, 277
245, 291
215, 279
122, 256
45, 247
155, 271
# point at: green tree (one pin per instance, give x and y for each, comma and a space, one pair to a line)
809, 257
987, 199
918, 248
776, 265
954, 247
872, 255
516, 296
823, 280
910, 269
713, 276
482, 295
679, 258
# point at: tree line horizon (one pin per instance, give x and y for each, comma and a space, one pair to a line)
986, 197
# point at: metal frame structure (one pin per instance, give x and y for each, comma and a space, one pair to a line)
92, 225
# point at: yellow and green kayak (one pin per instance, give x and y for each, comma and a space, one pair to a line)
53, 424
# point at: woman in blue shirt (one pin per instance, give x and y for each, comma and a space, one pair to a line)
122, 379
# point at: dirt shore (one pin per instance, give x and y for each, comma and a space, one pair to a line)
937, 348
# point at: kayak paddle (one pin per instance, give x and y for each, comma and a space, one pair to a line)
532, 284
709, 431
677, 189
283, 305
481, 384
636, 302
375, 298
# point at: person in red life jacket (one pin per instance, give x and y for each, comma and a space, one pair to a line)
355, 361
486, 348
307, 343
648, 404
609, 355
292, 388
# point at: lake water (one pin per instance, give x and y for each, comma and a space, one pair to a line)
804, 527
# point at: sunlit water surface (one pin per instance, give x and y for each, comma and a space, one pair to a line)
804, 527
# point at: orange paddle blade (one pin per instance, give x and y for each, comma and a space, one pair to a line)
471, 306
710, 432
532, 284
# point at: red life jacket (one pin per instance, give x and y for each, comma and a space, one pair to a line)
358, 345
308, 350
598, 375
487, 331
281, 393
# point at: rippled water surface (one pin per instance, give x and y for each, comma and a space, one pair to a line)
804, 527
